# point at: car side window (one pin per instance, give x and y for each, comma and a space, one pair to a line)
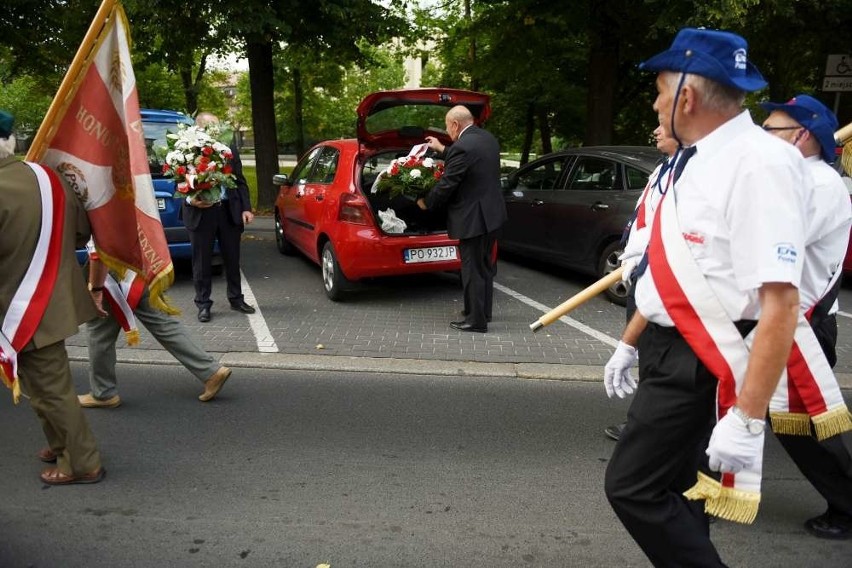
593, 174
636, 179
326, 166
542, 176
303, 168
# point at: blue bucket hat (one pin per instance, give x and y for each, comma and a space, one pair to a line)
717, 55
815, 117
6, 122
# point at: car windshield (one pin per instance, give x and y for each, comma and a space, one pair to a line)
407, 117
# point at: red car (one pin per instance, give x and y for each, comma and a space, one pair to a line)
326, 209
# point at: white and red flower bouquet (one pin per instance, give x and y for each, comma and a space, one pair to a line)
198, 162
411, 176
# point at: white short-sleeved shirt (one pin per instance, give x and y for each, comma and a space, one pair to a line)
741, 207
637, 239
828, 221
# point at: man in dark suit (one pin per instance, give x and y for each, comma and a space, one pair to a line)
470, 189
42, 362
226, 221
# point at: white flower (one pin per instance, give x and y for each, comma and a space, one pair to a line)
428, 162
174, 157
401, 160
416, 174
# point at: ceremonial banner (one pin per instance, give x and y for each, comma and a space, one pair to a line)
92, 136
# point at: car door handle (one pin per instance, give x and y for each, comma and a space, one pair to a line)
600, 206
320, 197
537, 202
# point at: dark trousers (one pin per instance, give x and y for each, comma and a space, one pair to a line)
659, 453
477, 271
827, 464
215, 224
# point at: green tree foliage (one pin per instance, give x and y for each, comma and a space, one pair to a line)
27, 100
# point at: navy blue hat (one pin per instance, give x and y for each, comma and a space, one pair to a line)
6, 122
815, 117
716, 55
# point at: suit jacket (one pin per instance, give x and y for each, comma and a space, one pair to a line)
237, 202
470, 186
20, 213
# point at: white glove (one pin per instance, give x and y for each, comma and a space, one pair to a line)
617, 377
628, 265
732, 447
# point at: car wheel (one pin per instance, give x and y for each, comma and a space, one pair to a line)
284, 246
617, 293
333, 280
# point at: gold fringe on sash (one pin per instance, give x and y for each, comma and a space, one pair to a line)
833, 422
724, 502
132, 336
156, 289
14, 385
791, 423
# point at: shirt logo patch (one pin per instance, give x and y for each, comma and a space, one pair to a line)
740, 59
786, 252
696, 238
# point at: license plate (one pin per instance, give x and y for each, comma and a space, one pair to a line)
430, 254
161, 204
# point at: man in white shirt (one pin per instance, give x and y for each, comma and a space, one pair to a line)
736, 238
809, 125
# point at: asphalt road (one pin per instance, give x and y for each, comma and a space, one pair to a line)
298, 469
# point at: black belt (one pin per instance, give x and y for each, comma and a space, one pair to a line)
743, 326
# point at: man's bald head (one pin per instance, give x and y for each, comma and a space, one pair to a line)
457, 119
203, 119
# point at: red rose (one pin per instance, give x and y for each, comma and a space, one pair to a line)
438, 174
227, 154
202, 167
181, 170
183, 187
394, 169
207, 150
227, 169
166, 169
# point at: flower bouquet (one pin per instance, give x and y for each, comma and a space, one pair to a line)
411, 176
198, 162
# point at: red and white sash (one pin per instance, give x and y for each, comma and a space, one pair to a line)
33, 294
702, 321
123, 296
808, 391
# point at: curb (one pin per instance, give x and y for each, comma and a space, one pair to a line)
295, 362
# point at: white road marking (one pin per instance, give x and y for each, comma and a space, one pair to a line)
265, 342
844, 314
602, 337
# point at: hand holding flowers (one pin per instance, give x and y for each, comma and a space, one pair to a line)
198, 162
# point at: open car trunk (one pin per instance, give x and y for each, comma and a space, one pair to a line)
417, 221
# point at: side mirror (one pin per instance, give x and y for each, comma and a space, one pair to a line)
281, 179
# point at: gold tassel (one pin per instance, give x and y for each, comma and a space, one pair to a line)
724, 502
791, 423
132, 336
833, 422
156, 292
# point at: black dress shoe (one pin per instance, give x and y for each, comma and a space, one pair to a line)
241, 306
464, 326
614, 432
204, 314
830, 525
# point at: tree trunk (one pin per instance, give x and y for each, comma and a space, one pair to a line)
471, 51
298, 111
528, 134
190, 93
259, 55
603, 74
544, 129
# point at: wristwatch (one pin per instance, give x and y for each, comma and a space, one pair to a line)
753, 425
93, 288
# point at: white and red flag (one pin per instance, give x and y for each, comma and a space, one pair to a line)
92, 136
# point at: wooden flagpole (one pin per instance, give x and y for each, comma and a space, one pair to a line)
70, 83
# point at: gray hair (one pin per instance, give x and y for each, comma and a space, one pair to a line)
7, 147
714, 95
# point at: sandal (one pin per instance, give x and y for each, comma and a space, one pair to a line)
52, 476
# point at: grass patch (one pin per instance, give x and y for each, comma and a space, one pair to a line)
250, 173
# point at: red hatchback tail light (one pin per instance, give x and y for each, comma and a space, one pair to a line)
353, 209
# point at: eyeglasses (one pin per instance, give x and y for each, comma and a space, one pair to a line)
768, 128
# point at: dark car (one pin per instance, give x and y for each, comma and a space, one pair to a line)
155, 125
570, 207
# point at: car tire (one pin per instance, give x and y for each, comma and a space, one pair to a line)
617, 293
284, 246
333, 280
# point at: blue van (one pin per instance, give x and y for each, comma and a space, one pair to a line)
155, 125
